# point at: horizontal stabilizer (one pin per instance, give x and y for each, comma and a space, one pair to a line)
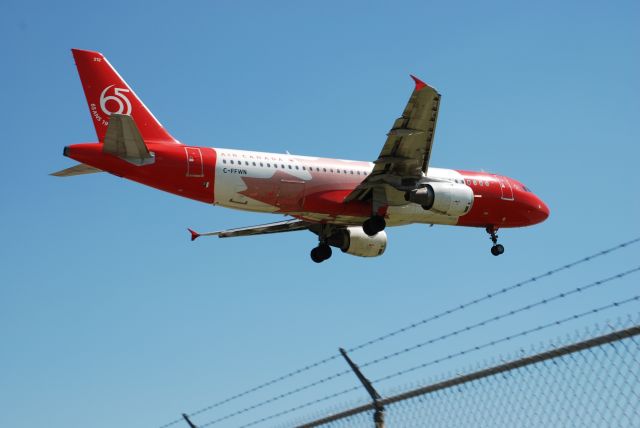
79, 169
123, 139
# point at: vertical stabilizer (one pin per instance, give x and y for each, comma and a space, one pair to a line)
107, 93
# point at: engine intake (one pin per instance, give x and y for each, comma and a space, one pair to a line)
447, 198
353, 240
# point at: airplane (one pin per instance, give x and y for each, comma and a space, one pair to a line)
347, 204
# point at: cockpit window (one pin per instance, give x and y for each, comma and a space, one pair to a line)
526, 189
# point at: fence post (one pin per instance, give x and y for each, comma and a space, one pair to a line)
186, 418
378, 414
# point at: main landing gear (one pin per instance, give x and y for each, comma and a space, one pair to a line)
497, 249
321, 253
374, 225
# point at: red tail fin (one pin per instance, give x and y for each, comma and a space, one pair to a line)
108, 93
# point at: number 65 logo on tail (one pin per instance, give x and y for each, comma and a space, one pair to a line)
119, 97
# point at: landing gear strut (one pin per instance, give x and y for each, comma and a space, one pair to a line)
321, 253
374, 225
497, 249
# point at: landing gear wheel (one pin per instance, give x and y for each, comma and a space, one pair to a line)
374, 225
315, 256
497, 249
321, 253
325, 251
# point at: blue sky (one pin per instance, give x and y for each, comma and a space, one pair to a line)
110, 316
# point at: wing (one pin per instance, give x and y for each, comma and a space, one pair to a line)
281, 226
405, 155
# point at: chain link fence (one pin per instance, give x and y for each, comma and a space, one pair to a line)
591, 379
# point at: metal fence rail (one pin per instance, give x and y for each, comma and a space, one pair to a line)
593, 382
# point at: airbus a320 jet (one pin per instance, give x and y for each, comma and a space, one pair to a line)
347, 204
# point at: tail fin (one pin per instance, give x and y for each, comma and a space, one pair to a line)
107, 93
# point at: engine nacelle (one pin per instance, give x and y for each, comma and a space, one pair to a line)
354, 241
447, 198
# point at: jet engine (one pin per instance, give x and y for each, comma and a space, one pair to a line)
353, 240
443, 198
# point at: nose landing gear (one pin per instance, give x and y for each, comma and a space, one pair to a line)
497, 249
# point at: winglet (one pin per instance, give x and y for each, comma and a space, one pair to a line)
194, 235
419, 83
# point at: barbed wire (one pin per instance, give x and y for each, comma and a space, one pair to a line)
497, 293
431, 362
410, 327
504, 315
511, 337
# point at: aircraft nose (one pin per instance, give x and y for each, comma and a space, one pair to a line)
541, 210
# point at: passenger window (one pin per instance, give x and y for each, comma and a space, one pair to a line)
231, 161
282, 166
254, 164
224, 161
268, 165
289, 166
261, 164
475, 182
351, 172
246, 163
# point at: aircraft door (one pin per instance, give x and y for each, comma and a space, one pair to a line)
194, 162
290, 195
505, 188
